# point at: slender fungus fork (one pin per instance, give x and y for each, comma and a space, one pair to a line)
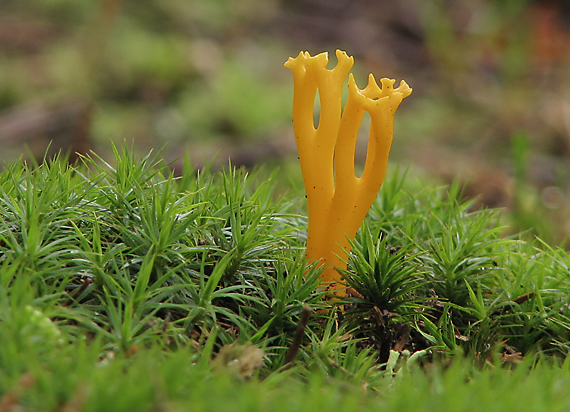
338, 200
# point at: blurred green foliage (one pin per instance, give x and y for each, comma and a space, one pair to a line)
203, 75
156, 72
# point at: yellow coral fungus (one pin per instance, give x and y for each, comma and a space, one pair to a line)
338, 200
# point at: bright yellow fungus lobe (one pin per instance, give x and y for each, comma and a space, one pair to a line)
338, 200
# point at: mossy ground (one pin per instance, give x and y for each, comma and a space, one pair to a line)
124, 287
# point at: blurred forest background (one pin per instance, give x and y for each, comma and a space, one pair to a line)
205, 78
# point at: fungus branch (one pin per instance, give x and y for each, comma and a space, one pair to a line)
337, 199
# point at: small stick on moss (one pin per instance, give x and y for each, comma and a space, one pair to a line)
523, 298
84, 283
298, 338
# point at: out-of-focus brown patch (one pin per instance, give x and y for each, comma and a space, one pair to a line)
65, 127
490, 186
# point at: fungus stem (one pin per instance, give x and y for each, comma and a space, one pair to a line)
337, 199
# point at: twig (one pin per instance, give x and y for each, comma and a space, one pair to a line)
84, 283
298, 338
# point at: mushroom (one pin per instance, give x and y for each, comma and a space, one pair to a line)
338, 200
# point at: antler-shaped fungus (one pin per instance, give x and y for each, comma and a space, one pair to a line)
338, 200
